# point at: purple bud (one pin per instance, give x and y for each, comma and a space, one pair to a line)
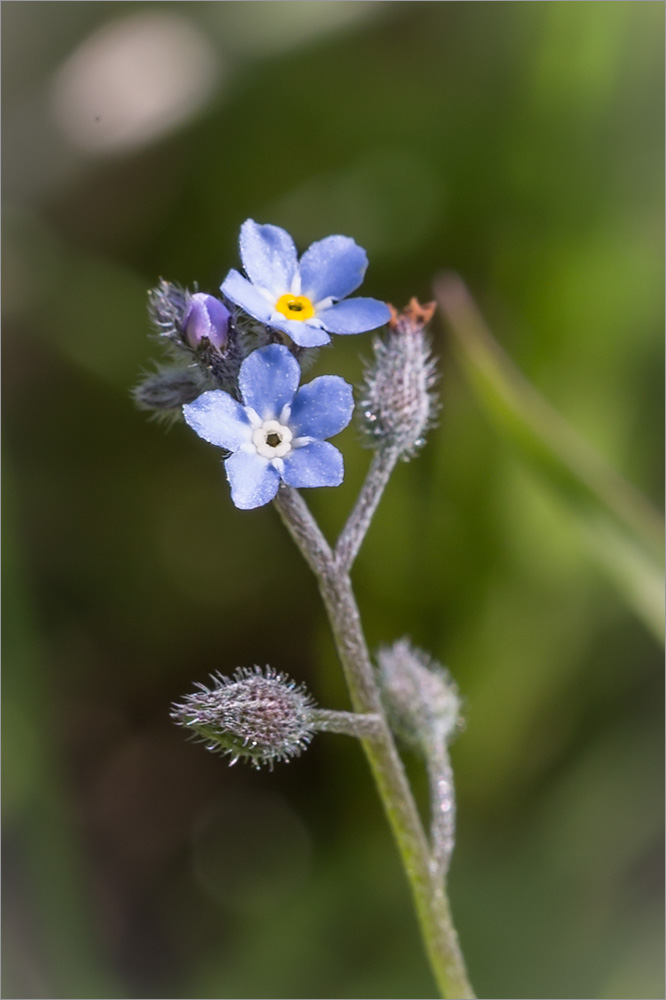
206, 317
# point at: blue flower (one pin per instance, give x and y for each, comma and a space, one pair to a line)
278, 432
302, 298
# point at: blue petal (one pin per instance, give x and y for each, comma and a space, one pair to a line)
253, 480
333, 268
301, 332
268, 380
269, 257
322, 407
218, 418
241, 291
355, 316
315, 464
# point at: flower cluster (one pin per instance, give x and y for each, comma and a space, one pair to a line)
245, 352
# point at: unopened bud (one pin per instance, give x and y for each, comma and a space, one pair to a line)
167, 305
423, 708
188, 320
206, 318
256, 715
398, 403
262, 716
169, 389
199, 327
420, 697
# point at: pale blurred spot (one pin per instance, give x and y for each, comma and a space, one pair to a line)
250, 851
389, 201
133, 81
273, 26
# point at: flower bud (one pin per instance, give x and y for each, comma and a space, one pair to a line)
167, 305
421, 699
169, 389
423, 709
398, 404
256, 715
205, 318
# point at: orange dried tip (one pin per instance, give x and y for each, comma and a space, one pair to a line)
415, 314
298, 307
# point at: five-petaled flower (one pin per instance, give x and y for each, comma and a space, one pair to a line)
302, 297
278, 432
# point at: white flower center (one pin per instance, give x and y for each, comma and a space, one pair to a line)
272, 439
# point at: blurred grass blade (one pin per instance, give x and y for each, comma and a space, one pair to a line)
623, 531
52, 946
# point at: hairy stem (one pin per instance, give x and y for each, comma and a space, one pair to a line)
358, 522
443, 809
362, 726
427, 887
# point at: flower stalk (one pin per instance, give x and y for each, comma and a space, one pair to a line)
427, 886
352, 535
396, 410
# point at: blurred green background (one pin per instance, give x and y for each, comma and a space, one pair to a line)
520, 144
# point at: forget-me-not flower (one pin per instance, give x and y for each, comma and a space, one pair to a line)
302, 297
278, 431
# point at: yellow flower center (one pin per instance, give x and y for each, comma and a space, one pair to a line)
295, 307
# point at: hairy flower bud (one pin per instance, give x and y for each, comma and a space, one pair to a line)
262, 716
398, 404
206, 318
169, 389
256, 715
423, 709
420, 698
198, 327
167, 306
188, 320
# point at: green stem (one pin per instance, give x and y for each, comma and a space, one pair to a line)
428, 888
442, 807
324, 720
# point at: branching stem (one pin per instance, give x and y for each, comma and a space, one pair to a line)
332, 574
358, 522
